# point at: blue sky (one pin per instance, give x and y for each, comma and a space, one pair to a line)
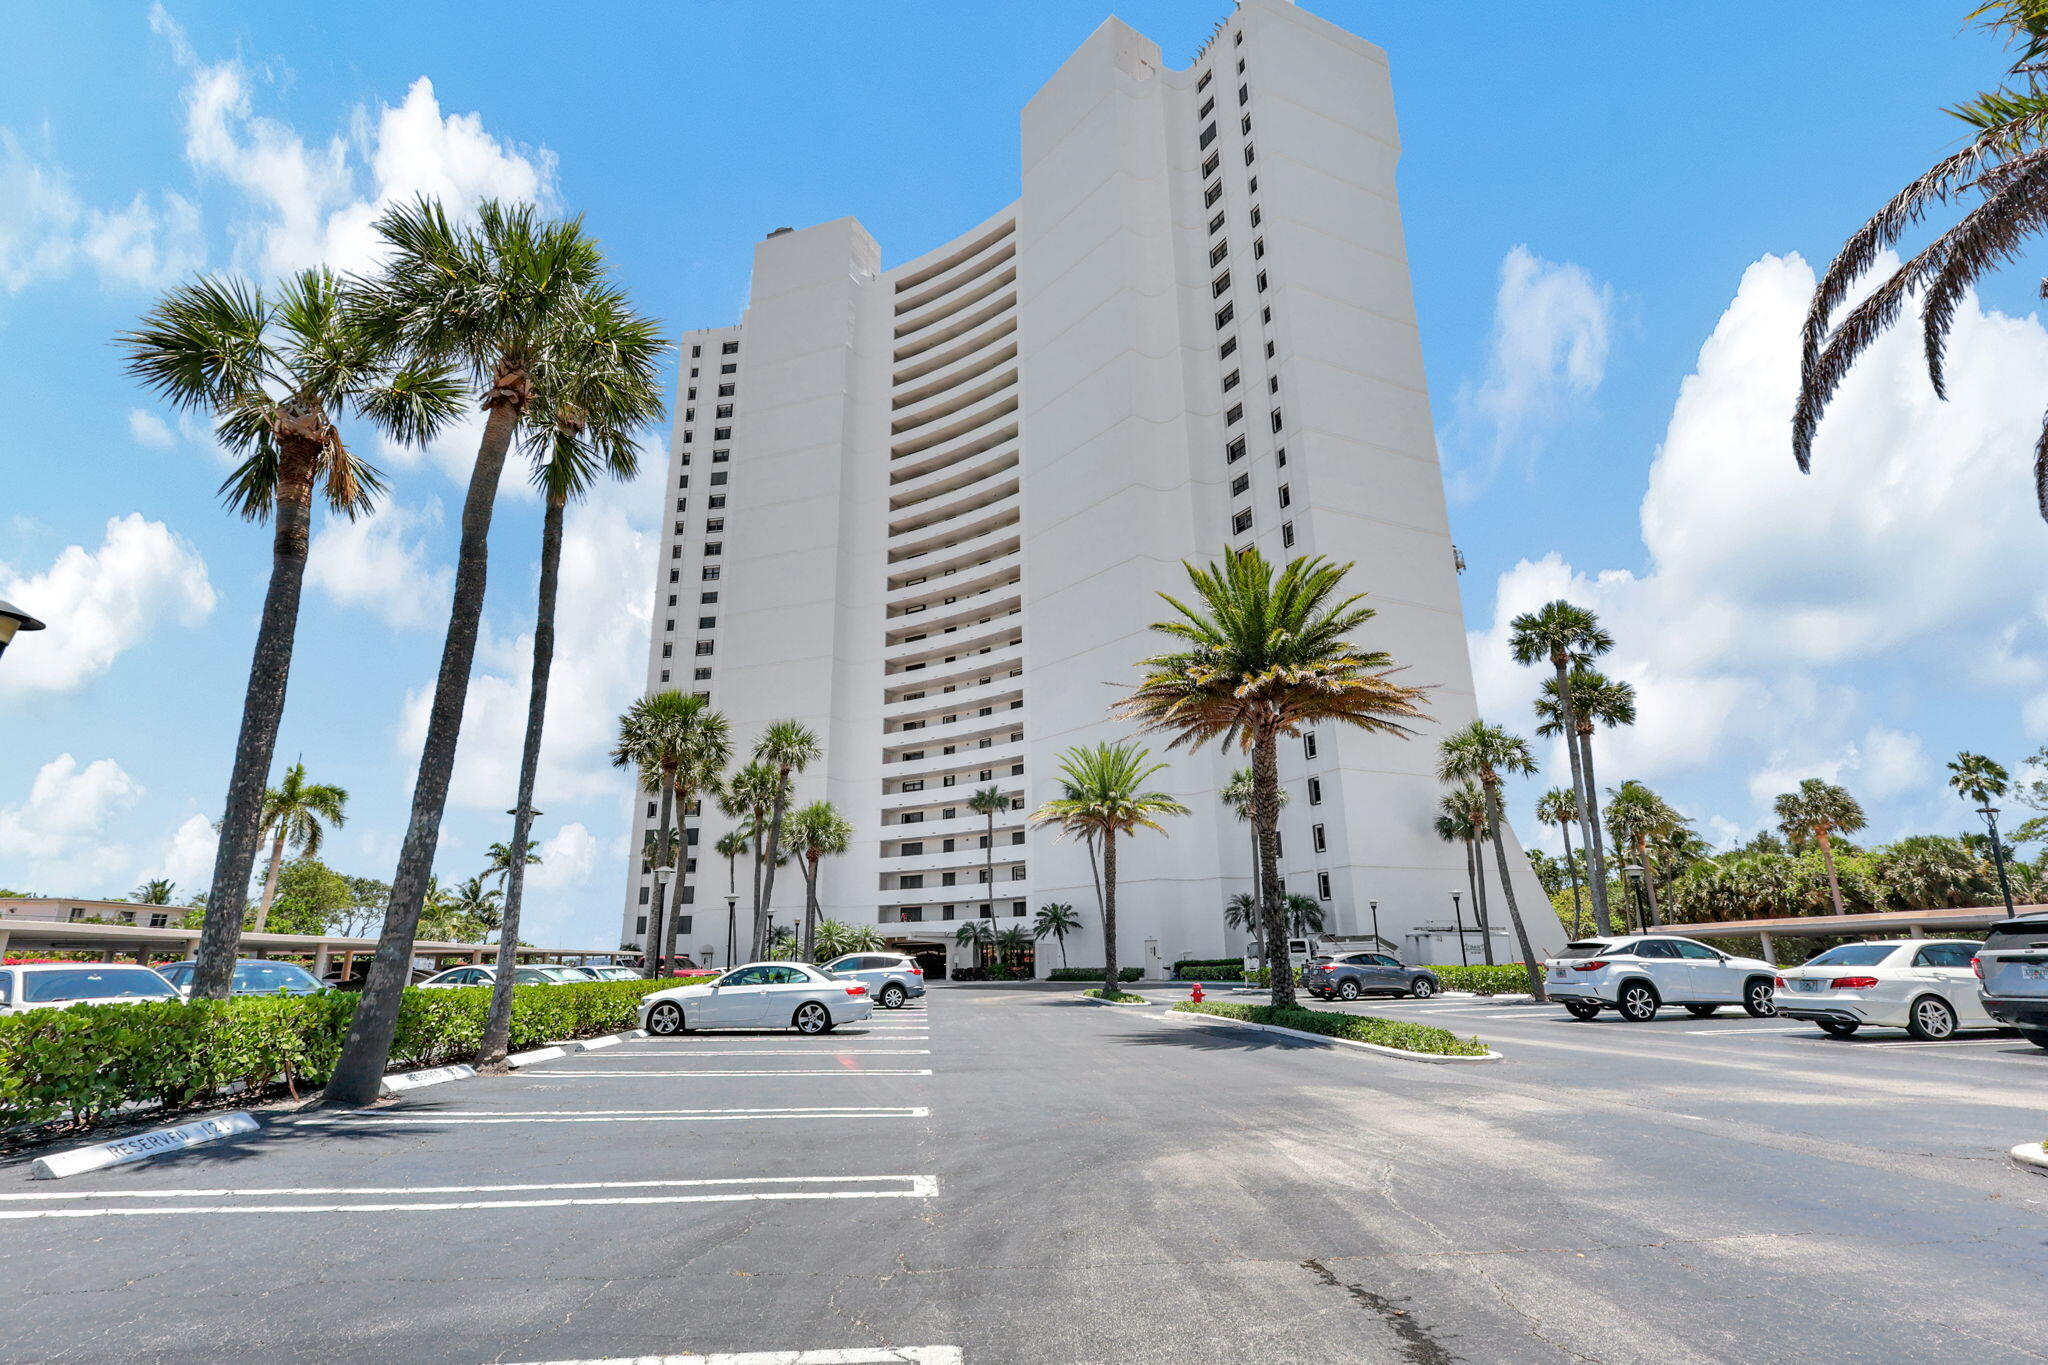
1608, 222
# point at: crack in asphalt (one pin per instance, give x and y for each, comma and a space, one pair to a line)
1417, 1344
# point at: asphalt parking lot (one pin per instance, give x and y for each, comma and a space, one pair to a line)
1015, 1175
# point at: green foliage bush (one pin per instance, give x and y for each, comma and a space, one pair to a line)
84, 1062
1230, 963
1357, 1027
1508, 978
1115, 997
1231, 973
1092, 974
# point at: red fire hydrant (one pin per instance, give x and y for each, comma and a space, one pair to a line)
1196, 995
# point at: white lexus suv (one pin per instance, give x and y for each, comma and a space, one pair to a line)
1637, 975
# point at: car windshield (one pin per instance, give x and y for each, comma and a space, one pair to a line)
261, 978
1584, 948
178, 973
96, 983
2023, 933
1854, 955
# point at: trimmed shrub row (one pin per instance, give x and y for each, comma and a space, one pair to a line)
1234, 972
84, 1062
1115, 997
1359, 1028
1092, 974
1234, 964
1508, 978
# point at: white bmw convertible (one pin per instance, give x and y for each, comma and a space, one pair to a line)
759, 995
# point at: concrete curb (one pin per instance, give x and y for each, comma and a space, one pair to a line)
540, 1054
1377, 1049
403, 1081
2030, 1156
1113, 1004
590, 1044
141, 1146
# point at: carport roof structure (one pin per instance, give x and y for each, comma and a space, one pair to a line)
1912, 923
147, 943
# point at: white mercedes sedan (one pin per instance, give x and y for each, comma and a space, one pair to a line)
759, 995
1922, 985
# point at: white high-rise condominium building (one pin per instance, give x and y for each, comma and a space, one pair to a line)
928, 510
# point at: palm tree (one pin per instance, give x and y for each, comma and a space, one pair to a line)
1483, 753
1104, 795
680, 745
1817, 811
1640, 819
730, 846
2001, 169
498, 862
816, 832
1561, 808
275, 373
788, 747
750, 793
157, 892
1568, 637
1260, 655
1241, 912
1055, 920
978, 934
292, 813
1978, 779
1237, 796
1462, 818
1011, 945
1609, 702
987, 802
483, 908
501, 300
1304, 915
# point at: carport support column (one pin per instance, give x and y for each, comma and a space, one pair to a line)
1915, 931
320, 961
1770, 949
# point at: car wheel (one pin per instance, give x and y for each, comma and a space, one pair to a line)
1837, 1028
1758, 1000
1347, 990
1931, 1019
2038, 1037
1638, 1003
892, 997
665, 1020
1422, 988
812, 1017
1701, 1011
1582, 1009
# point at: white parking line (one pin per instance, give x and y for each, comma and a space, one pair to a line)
915, 1187
1789, 1030
635, 1075
645, 1116
826, 1050
859, 1355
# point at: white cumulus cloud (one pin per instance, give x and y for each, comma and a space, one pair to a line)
187, 858
383, 563
47, 231
58, 839
148, 429
99, 603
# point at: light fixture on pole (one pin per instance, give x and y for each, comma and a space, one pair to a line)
1990, 814
662, 874
1377, 940
1634, 873
13, 619
1458, 914
732, 920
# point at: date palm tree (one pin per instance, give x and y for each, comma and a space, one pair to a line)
1561, 808
1104, 794
749, 794
1815, 813
1260, 654
788, 747
1055, 921
988, 802
580, 424
1462, 819
1011, 945
1485, 753
1568, 637
276, 373
816, 832
498, 299
2002, 169
292, 814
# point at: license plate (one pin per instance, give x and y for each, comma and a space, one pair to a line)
1805, 985
1557, 973
2033, 973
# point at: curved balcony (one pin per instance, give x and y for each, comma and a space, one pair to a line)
978, 501
962, 737
962, 452
996, 408
970, 390
931, 593
997, 251
958, 327
933, 805
952, 546
962, 895
998, 693
963, 829
965, 862
978, 610
964, 767
1006, 662
951, 478
953, 365
952, 646
959, 255
956, 302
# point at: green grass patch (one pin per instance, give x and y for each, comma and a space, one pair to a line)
1115, 997
1355, 1027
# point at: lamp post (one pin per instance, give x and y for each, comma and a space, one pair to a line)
1990, 814
1458, 914
732, 919
1377, 940
1634, 873
661, 879
13, 619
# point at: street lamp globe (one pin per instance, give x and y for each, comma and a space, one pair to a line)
13, 620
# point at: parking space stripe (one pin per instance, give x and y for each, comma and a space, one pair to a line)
632, 1116
859, 1355
773, 1052
635, 1075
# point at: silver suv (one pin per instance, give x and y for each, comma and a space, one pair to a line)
1634, 976
2013, 965
891, 978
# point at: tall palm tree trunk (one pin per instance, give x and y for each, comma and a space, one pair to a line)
220, 933
651, 943
757, 940
498, 1024
674, 919
1571, 871
1266, 822
1110, 985
1650, 882
1582, 786
1480, 910
1472, 871
1507, 885
810, 866
1596, 850
1827, 856
359, 1073
269, 882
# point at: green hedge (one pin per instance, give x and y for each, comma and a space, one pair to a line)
1235, 964
1117, 997
1234, 972
1504, 979
1359, 1028
86, 1061
1092, 974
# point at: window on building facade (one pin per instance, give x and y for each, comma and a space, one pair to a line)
707, 622
1315, 791
724, 410
729, 348
721, 433
1286, 535
710, 572
1219, 286
1308, 744
1210, 166
1229, 382
1319, 839
1235, 450
1216, 222
1212, 194
1208, 136
1323, 885
705, 647
1277, 424
1242, 522
1240, 485
1228, 347
725, 390
720, 456
1234, 414
1286, 497
1218, 252
701, 675
714, 547
1223, 318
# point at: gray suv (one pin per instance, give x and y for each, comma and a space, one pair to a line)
1351, 975
891, 978
2013, 965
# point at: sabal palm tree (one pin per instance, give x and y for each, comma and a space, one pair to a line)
1304, 915
1568, 637
730, 846
749, 794
1485, 753
988, 802
1237, 796
1258, 655
292, 814
498, 862
1462, 819
276, 373
1817, 812
788, 747
1241, 912
1640, 819
1607, 702
1561, 808
2000, 169
157, 892
978, 934
816, 832
1055, 921
669, 738
498, 299
1977, 779
1104, 794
